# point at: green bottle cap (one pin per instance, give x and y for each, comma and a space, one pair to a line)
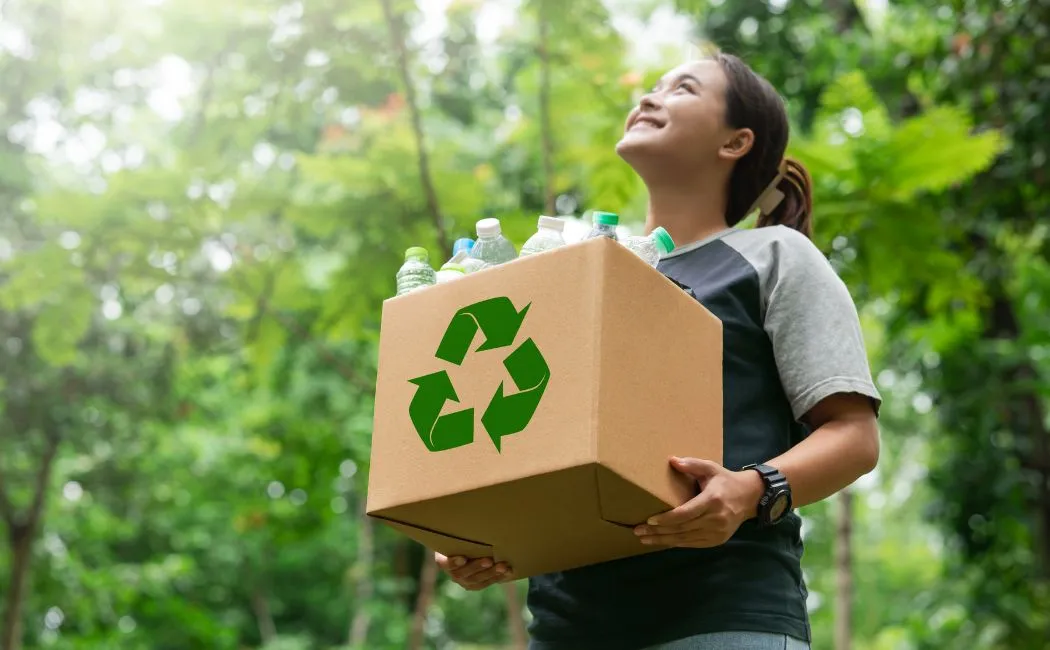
606, 218
663, 240
449, 266
417, 253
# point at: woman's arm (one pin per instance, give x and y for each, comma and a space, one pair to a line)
843, 446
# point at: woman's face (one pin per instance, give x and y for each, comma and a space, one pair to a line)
682, 120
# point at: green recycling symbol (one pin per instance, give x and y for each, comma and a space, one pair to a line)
506, 414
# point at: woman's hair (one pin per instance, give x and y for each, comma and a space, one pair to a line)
753, 103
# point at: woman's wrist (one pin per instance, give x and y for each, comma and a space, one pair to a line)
751, 489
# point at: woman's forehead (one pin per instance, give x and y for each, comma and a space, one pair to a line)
707, 71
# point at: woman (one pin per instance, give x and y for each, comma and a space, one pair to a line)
799, 401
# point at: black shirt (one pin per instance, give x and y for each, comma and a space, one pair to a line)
791, 337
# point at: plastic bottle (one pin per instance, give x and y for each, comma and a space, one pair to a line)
604, 225
462, 244
492, 247
462, 257
548, 236
651, 248
450, 271
416, 272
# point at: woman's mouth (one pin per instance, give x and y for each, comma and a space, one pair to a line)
646, 123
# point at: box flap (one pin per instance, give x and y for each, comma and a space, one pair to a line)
622, 502
445, 544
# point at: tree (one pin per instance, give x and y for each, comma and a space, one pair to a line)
192, 272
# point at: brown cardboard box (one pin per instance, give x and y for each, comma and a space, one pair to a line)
586, 370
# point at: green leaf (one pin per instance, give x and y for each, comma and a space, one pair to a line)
936, 150
59, 326
269, 339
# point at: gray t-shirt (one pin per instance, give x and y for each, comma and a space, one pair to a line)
791, 337
806, 311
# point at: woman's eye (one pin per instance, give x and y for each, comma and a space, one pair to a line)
684, 86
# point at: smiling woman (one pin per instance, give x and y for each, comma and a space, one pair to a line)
799, 402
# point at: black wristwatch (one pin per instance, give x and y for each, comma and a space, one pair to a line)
776, 500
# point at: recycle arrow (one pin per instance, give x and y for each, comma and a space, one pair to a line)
497, 319
439, 432
508, 414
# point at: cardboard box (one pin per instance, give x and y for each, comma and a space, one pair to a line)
564, 381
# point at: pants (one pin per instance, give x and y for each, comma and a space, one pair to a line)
735, 641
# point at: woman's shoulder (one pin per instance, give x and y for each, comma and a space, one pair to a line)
774, 251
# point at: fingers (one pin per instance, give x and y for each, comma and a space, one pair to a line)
699, 523
487, 576
697, 467
474, 574
691, 509
690, 539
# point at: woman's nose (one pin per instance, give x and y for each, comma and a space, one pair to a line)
649, 100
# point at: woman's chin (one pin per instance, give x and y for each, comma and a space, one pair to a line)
636, 144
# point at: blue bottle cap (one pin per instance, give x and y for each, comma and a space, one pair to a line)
462, 244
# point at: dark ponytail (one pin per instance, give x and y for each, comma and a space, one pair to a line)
779, 187
796, 207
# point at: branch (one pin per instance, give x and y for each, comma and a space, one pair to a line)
263, 617
43, 477
545, 111
518, 633
847, 15
844, 571
346, 372
262, 304
7, 509
397, 42
363, 570
427, 581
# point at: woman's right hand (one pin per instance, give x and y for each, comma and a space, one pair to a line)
474, 574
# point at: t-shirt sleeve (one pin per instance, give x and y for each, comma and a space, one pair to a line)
814, 327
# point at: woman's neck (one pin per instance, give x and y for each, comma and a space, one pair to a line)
689, 213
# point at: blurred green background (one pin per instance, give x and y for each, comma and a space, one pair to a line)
203, 205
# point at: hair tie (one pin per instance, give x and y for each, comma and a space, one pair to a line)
770, 197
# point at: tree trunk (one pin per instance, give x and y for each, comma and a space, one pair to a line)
20, 535
364, 585
21, 541
518, 635
398, 45
263, 617
546, 135
427, 583
843, 571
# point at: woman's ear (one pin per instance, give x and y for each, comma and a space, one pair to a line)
738, 144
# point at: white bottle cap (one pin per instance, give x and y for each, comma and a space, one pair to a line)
552, 223
488, 227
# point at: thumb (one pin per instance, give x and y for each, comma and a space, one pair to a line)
698, 468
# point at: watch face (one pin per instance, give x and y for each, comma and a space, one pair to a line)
779, 507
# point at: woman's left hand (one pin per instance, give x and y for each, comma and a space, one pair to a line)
726, 500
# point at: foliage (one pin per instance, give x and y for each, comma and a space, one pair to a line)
204, 206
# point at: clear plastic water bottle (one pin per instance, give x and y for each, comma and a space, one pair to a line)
462, 257
472, 265
547, 237
450, 271
492, 247
416, 272
604, 225
651, 248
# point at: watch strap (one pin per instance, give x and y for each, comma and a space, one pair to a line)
775, 483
